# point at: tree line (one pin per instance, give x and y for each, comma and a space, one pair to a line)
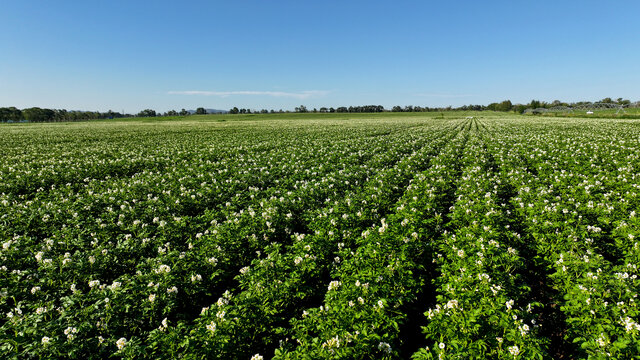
36, 114
504, 106
536, 104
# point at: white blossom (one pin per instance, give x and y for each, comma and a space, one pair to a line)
514, 350
509, 304
211, 326
121, 343
163, 269
385, 347
334, 285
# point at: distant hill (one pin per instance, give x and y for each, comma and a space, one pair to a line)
210, 111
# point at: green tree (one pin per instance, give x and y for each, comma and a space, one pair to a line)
519, 108
147, 113
10, 114
61, 115
504, 106
201, 111
36, 114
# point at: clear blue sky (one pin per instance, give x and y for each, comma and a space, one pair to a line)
131, 55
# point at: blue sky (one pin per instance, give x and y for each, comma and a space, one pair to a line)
131, 55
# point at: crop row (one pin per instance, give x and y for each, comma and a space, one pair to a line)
292, 277
364, 305
483, 307
578, 205
115, 257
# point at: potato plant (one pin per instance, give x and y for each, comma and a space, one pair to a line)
390, 238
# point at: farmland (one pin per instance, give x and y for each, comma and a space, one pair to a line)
425, 236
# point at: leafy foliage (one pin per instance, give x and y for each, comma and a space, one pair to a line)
460, 238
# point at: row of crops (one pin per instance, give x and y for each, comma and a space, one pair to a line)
490, 238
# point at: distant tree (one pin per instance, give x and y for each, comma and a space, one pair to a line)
10, 114
61, 115
504, 106
301, 109
110, 114
622, 101
201, 111
366, 109
323, 109
332, 110
606, 100
534, 104
72, 116
184, 112
234, 110
36, 114
172, 113
519, 108
147, 113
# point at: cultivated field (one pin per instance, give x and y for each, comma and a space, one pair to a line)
321, 236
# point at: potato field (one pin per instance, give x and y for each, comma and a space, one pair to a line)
389, 237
